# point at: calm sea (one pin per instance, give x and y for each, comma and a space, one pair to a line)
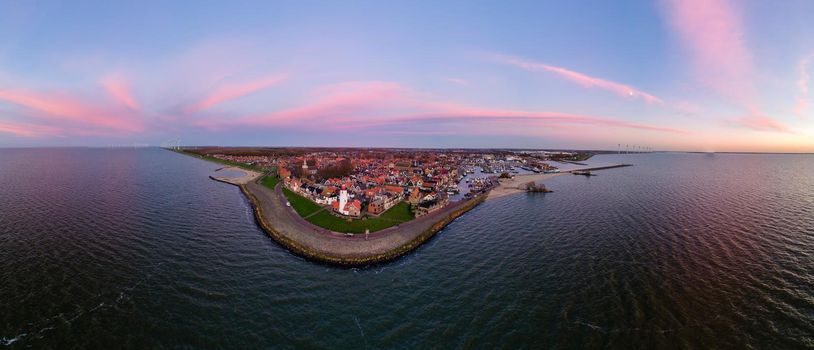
137, 248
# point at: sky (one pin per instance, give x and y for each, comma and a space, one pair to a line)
681, 75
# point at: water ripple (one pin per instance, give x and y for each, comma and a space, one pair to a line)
139, 249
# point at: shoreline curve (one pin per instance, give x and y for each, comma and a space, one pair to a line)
307, 240
318, 244
290, 230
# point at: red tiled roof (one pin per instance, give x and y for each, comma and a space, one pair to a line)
393, 188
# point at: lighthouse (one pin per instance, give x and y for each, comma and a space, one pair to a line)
343, 200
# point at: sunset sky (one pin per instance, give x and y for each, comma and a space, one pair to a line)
698, 75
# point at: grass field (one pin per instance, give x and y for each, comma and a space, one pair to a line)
306, 208
301, 205
270, 181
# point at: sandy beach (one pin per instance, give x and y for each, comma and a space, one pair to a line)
247, 177
510, 186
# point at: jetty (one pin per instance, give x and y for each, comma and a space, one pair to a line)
518, 183
604, 167
533, 187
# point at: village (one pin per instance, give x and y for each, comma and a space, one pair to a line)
366, 183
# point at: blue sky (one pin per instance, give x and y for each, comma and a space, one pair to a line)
676, 75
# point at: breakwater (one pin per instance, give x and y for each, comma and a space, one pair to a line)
600, 168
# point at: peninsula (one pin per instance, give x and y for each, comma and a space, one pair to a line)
357, 207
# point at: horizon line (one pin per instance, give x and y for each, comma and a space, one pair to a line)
419, 148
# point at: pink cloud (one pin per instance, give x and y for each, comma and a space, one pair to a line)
230, 92
762, 123
63, 108
119, 90
389, 107
336, 101
515, 117
579, 78
451, 111
210, 61
477, 129
456, 81
712, 32
27, 130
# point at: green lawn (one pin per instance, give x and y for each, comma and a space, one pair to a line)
270, 181
301, 205
397, 214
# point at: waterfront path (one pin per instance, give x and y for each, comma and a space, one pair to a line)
292, 231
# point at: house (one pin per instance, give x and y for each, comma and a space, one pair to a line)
372, 192
415, 196
329, 191
354, 208
285, 173
294, 184
394, 189
343, 205
381, 203
376, 207
426, 207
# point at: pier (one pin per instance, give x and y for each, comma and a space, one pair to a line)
598, 168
